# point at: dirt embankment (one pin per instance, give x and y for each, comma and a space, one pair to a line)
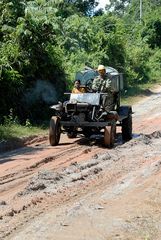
79, 190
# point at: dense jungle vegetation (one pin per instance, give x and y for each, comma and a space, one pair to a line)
44, 42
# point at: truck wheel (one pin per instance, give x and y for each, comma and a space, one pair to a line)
127, 128
87, 132
109, 135
54, 131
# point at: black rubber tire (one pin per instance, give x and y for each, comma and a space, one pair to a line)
127, 128
87, 132
109, 135
54, 131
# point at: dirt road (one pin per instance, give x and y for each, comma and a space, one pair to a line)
81, 191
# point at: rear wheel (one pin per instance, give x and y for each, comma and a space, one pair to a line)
127, 128
54, 131
87, 132
109, 135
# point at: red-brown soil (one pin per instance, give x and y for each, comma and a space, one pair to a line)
79, 190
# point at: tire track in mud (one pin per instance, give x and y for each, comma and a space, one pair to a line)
12, 212
77, 175
26, 173
37, 164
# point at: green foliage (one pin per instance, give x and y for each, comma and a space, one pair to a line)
43, 43
67, 8
118, 7
97, 41
28, 123
11, 129
10, 119
137, 69
151, 32
154, 64
14, 131
29, 52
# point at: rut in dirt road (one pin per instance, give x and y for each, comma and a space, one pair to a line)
34, 167
78, 183
113, 164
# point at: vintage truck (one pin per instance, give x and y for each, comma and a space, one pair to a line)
83, 114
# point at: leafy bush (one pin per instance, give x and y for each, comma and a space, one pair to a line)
137, 70
154, 64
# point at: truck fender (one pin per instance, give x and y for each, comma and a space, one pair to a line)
125, 110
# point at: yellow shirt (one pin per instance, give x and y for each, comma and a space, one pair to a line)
78, 90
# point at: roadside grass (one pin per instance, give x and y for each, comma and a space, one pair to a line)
136, 93
12, 130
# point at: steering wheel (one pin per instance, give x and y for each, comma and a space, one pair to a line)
89, 84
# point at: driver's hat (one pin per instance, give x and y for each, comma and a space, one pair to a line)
101, 67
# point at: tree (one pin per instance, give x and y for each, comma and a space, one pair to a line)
151, 31
117, 7
36, 53
82, 7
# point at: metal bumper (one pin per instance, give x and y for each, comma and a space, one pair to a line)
85, 124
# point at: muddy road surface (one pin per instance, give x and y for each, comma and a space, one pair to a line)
79, 190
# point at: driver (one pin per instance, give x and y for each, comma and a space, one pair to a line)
103, 84
77, 87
